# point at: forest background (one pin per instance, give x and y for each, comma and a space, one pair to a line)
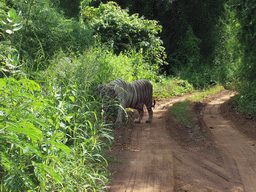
54, 53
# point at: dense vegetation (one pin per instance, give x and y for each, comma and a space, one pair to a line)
215, 45
53, 55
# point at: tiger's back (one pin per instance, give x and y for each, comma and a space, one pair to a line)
132, 95
143, 91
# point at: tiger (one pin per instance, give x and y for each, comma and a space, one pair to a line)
131, 95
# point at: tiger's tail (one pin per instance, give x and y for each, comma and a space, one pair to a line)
154, 103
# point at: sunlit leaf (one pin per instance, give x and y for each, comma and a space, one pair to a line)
26, 150
30, 84
32, 149
50, 121
49, 170
10, 21
27, 129
72, 98
61, 146
12, 13
17, 28
9, 31
27, 95
2, 83
68, 118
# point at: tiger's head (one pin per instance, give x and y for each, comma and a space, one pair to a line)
106, 91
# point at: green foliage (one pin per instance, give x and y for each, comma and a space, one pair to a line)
176, 17
182, 112
186, 61
188, 54
168, 87
229, 51
132, 66
245, 101
54, 143
99, 64
13, 21
33, 132
245, 11
44, 32
201, 94
9, 57
235, 53
69, 8
115, 27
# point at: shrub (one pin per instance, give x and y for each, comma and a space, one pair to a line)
115, 27
44, 32
34, 131
245, 101
168, 87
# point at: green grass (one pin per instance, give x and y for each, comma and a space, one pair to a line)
245, 100
52, 126
168, 87
201, 94
182, 110
53, 133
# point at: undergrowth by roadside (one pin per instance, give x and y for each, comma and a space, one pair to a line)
182, 110
53, 132
188, 123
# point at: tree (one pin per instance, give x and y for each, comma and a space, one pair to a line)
246, 14
115, 27
177, 18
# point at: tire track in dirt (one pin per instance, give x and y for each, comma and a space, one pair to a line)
209, 165
237, 147
148, 165
156, 161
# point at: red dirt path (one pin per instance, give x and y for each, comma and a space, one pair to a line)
216, 152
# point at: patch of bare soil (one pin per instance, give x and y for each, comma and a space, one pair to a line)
244, 123
215, 152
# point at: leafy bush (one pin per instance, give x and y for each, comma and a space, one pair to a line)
245, 101
34, 131
186, 61
245, 13
168, 87
44, 32
9, 57
115, 27
188, 56
182, 112
229, 51
100, 64
52, 136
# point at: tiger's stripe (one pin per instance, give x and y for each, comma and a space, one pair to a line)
132, 95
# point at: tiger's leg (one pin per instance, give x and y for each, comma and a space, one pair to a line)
141, 112
119, 119
150, 115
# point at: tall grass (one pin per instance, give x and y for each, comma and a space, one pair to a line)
53, 133
50, 143
171, 86
52, 128
245, 101
182, 110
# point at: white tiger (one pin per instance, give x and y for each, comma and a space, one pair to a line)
131, 95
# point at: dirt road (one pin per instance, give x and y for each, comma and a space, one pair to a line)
165, 156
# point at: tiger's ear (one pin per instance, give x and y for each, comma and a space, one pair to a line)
100, 85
